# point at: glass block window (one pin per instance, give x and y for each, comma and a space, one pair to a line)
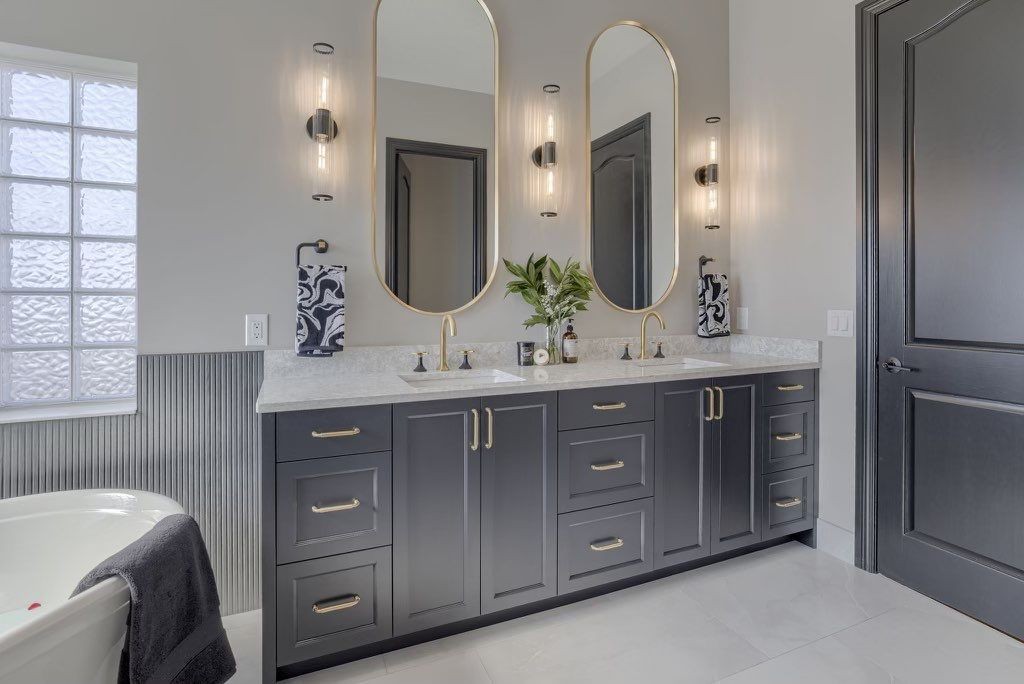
68, 279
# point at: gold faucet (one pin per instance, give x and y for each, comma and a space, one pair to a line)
442, 362
643, 332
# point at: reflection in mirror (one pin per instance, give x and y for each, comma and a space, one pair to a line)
632, 124
435, 232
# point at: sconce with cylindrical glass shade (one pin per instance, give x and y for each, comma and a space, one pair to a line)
708, 175
321, 127
546, 155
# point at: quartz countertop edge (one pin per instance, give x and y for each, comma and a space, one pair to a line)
283, 394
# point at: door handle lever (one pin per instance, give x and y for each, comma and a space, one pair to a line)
894, 366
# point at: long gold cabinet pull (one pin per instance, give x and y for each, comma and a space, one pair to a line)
721, 404
335, 508
789, 437
490, 428
616, 406
607, 544
789, 388
710, 416
349, 432
475, 445
334, 605
611, 465
789, 502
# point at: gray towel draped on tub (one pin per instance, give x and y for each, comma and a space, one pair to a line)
175, 634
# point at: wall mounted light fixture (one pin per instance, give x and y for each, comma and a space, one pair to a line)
546, 154
707, 176
321, 127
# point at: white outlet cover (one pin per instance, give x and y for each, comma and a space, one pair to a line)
840, 323
742, 318
256, 331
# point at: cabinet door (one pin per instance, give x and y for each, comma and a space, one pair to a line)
518, 500
735, 510
436, 514
682, 480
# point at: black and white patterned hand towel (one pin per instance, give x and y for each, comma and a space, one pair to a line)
713, 305
320, 329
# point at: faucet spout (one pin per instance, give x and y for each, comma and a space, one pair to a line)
643, 332
442, 362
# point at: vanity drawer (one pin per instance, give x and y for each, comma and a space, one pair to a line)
788, 434
605, 465
333, 505
333, 432
333, 604
788, 387
597, 406
604, 544
789, 502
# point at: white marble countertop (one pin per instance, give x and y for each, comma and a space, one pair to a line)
283, 393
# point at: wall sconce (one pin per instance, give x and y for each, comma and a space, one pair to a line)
546, 154
707, 176
321, 127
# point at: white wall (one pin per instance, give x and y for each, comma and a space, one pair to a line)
223, 155
793, 108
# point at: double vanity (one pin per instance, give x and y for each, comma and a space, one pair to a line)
401, 507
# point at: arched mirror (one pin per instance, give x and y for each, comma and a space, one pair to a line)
435, 228
632, 118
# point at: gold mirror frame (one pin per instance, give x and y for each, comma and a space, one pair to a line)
495, 176
675, 159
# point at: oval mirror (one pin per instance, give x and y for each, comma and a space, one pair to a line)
631, 121
435, 230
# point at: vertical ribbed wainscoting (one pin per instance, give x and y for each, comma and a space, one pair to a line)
195, 439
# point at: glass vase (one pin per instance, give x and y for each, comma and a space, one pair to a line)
553, 342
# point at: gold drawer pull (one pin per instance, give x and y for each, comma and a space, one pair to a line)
790, 502
607, 545
789, 437
610, 407
611, 465
344, 603
351, 432
334, 508
789, 388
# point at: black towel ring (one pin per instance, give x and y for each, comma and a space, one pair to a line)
320, 246
702, 262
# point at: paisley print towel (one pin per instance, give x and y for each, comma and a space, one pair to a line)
713, 305
320, 328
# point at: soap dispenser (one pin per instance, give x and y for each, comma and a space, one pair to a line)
570, 345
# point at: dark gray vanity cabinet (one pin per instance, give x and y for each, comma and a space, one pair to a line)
735, 494
436, 513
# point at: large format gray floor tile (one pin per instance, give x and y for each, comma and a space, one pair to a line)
827, 660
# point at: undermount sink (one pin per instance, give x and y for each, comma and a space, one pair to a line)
458, 378
676, 363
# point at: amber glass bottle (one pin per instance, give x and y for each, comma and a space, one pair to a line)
570, 345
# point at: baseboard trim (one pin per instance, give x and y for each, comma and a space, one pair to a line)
835, 541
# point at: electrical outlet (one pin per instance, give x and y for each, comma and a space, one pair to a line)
742, 318
840, 323
256, 332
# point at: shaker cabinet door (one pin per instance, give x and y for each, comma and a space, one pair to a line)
735, 508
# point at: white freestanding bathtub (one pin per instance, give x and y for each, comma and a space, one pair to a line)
48, 542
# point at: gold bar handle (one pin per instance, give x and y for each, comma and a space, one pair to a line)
343, 603
351, 432
789, 388
607, 545
790, 502
721, 403
476, 430
711, 404
335, 508
611, 465
789, 437
610, 407
490, 428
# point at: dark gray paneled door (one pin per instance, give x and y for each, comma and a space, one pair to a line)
436, 514
735, 509
682, 479
951, 303
518, 500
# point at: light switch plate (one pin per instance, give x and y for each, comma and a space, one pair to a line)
256, 332
840, 323
742, 318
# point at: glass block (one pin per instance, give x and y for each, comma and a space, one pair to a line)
37, 376
105, 265
103, 103
31, 264
105, 373
28, 207
106, 212
34, 150
35, 320
106, 157
105, 320
36, 94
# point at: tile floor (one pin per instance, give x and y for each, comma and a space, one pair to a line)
786, 614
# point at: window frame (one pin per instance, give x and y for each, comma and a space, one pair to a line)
78, 69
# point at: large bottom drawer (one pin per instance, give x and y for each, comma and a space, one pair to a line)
601, 545
333, 604
788, 498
